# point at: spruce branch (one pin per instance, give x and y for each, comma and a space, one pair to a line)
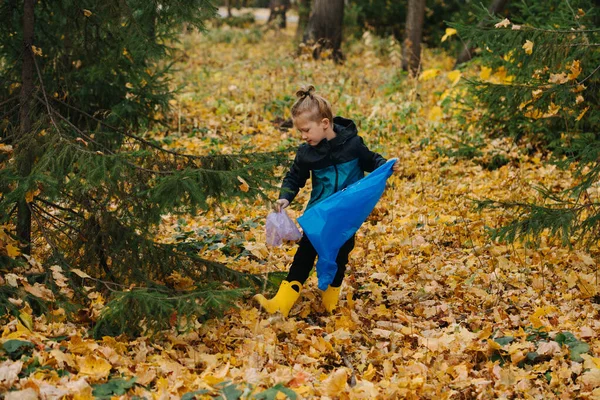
590, 75
37, 68
51, 204
10, 112
53, 217
45, 234
13, 98
150, 311
202, 158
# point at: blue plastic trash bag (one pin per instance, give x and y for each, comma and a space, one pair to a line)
330, 223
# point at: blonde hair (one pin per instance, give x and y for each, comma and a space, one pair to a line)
316, 105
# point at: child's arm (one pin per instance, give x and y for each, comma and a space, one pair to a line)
369, 161
294, 180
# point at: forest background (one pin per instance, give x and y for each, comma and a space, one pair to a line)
141, 144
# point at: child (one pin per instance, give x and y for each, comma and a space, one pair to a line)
335, 156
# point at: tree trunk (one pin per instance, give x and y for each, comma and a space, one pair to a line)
467, 52
324, 28
23, 151
278, 10
228, 5
411, 48
303, 16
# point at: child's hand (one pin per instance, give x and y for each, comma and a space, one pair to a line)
396, 167
280, 205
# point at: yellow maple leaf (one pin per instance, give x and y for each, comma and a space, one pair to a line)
62, 358
493, 345
454, 76
435, 114
558, 78
95, 367
524, 104
449, 32
36, 50
211, 380
39, 290
540, 312
349, 300
180, 282
499, 75
429, 74
581, 114
485, 73
27, 320
31, 194
552, 110
370, 373
12, 251
528, 46
244, 187
534, 113
336, 383
258, 250
79, 273
575, 70
503, 24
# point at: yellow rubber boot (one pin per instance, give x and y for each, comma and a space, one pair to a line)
331, 297
284, 299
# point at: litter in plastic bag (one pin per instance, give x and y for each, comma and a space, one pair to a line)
330, 223
280, 227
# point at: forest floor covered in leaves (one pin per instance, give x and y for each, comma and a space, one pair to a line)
430, 308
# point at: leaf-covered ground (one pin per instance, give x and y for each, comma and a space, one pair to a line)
430, 308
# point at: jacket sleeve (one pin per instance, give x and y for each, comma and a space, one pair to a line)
294, 180
369, 161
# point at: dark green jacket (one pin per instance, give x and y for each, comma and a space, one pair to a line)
334, 164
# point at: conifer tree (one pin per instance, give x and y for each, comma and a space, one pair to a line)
540, 69
80, 80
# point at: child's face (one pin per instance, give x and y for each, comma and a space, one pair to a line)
313, 131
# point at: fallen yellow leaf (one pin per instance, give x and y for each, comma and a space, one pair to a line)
429, 74
528, 47
449, 32
244, 187
13, 251
95, 367
503, 24
336, 383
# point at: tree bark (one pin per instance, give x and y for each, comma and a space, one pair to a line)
467, 52
23, 151
279, 9
303, 16
228, 5
324, 28
411, 47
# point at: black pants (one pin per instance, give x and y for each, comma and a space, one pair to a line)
304, 261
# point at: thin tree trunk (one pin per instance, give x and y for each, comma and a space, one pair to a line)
411, 48
467, 52
303, 16
278, 10
228, 4
24, 153
325, 28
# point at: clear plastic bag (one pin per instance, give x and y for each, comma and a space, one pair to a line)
280, 227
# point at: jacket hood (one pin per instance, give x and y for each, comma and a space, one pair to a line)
344, 128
